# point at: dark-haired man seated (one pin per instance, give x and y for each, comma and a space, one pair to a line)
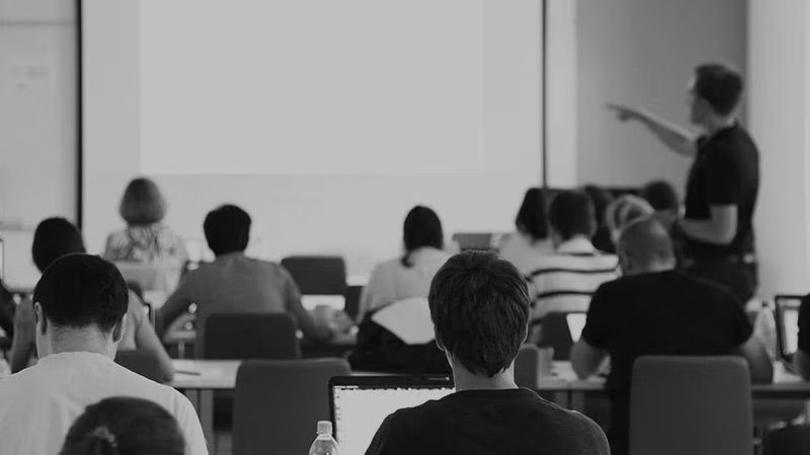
80, 305
479, 305
654, 310
235, 283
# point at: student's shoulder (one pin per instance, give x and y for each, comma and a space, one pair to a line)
574, 431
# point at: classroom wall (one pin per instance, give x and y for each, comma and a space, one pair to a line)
779, 118
641, 53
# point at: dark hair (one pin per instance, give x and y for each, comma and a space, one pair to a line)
421, 228
600, 198
479, 305
54, 238
719, 85
142, 203
661, 195
227, 229
80, 290
571, 213
124, 426
531, 217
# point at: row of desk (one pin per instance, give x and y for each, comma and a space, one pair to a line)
198, 379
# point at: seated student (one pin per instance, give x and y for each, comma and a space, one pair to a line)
623, 211
564, 281
531, 237
126, 426
80, 305
409, 275
235, 283
7, 310
601, 199
801, 359
662, 197
655, 310
54, 238
480, 309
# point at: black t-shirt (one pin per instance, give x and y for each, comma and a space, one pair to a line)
665, 313
725, 172
804, 325
488, 422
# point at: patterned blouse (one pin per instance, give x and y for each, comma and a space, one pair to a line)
146, 245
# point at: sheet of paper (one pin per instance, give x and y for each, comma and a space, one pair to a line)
407, 319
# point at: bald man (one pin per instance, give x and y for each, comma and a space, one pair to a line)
655, 310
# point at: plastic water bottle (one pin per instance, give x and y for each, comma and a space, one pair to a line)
324, 444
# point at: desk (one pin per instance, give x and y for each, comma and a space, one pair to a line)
199, 386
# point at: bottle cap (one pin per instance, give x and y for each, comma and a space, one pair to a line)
324, 427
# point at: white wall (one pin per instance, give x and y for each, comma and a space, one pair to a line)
642, 52
779, 118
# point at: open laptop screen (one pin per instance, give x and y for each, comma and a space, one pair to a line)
359, 404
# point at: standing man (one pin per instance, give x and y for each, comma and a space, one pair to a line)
723, 183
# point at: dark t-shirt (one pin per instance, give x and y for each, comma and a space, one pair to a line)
725, 172
804, 325
665, 313
488, 422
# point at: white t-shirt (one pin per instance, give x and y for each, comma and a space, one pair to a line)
39, 404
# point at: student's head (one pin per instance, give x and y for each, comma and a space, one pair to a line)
479, 305
79, 303
644, 246
623, 211
124, 426
570, 215
601, 198
715, 91
531, 218
422, 228
661, 195
54, 238
227, 229
142, 203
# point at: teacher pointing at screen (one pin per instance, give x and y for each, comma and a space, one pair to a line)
723, 182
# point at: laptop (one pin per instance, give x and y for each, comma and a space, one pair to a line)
786, 315
359, 404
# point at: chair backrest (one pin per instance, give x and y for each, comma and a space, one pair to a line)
555, 332
790, 440
250, 336
694, 405
473, 240
277, 404
527, 366
145, 363
317, 275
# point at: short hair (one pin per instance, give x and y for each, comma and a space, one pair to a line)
661, 195
479, 305
719, 85
127, 426
571, 213
601, 198
142, 203
80, 290
624, 210
531, 217
421, 228
227, 229
54, 238
647, 241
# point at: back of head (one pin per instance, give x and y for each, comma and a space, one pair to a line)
479, 305
531, 217
645, 246
601, 198
661, 195
422, 228
227, 229
82, 291
720, 86
624, 210
124, 426
54, 238
142, 203
571, 213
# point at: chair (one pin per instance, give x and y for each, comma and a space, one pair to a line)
317, 275
278, 403
145, 363
250, 336
527, 366
790, 440
694, 405
556, 333
473, 240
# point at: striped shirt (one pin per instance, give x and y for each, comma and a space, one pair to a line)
565, 280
